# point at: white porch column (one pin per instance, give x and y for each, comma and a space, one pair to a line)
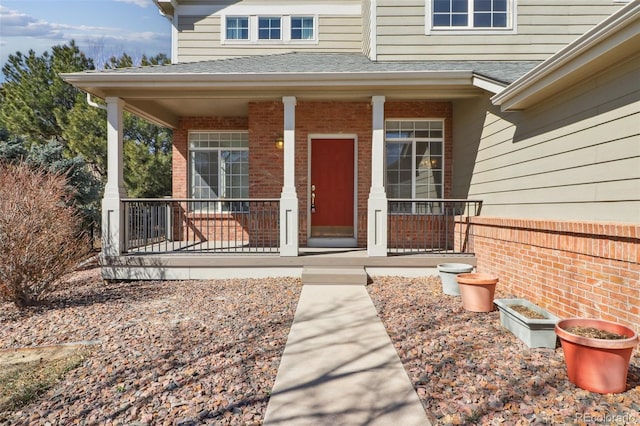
377, 205
289, 198
113, 226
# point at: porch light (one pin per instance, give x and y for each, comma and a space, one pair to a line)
280, 142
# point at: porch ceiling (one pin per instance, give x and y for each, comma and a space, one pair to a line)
162, 94
165, 104
166, 109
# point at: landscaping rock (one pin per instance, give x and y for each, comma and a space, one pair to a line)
207, 352
189, 352
469, 370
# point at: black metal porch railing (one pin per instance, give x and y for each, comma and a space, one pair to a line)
430, 225
201, 225
157, 226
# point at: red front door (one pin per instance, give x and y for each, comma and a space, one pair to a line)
332, 186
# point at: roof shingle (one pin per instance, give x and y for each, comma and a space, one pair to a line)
316, 63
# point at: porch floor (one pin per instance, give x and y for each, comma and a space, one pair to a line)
207, 265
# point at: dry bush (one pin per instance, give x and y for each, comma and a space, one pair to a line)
39, 236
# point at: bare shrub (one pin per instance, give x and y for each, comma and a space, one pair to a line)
39, 237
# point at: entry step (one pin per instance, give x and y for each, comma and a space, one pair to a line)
334, 275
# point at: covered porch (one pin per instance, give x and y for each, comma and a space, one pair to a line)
259, 211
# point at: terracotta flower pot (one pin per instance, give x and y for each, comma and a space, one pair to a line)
476, 291
597, 365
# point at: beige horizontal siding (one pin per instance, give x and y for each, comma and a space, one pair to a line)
543, 28
573, 157
199, 39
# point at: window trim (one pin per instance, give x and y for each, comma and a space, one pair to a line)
285, 29
413, 141
511, 28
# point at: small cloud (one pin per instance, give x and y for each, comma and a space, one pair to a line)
16, 24
141, 3
22, 32
145, 36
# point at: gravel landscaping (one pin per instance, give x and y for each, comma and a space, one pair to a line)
174, 353
207, 352
467, 369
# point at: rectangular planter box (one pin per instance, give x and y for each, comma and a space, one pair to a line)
535, 333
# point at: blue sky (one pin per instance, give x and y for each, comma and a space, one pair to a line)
101, 28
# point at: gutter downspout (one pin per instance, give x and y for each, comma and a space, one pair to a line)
93, 103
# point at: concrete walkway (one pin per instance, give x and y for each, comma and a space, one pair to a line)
339, 366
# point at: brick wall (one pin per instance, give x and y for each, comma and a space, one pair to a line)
266, 173
215, 227
265, 123
570, 268
256, 226
421, 232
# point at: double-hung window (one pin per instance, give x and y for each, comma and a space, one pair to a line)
302, 28
237, 27
269, 28
470, 14
414, 163
219, 169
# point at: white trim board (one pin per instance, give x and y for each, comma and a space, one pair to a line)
335, 9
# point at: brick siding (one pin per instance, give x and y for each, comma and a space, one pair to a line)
265, 123
570, 268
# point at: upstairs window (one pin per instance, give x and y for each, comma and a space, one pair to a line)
302, 28
490, 13
470, 14
269, 28
237, 28
450, 13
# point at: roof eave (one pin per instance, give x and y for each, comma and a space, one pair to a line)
614, 37
100, 84
207, 78
166, 8
488, 84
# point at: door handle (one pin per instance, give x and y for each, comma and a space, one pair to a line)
313, 198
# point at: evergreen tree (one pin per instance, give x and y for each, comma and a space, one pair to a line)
38, 106
34, 100
85, 131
